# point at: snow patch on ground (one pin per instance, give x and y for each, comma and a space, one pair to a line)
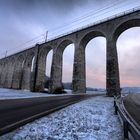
13, 94
16, 94
92, 119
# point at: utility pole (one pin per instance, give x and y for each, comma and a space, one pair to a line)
46, 37
5, 54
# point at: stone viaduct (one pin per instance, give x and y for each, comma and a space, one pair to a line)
15, 70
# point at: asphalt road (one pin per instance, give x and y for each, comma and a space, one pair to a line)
132, 105
17, 112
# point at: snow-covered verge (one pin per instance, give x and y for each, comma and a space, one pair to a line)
92, 119
95, 92
13, 94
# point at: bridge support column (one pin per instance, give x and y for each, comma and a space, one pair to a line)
10, 75
3, 74
26, 78
17, 75
112, 72
39, 73
79, 82
8, 69
56, 73
1, 68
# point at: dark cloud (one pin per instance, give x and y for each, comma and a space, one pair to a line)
58, 5
41, 11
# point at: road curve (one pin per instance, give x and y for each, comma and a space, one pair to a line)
132, 105
17, 112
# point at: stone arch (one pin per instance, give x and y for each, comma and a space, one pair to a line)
44, 51
42, 56
62, 45
17, 72
90, 35
79, 76
113, 78
56, 70
120, 32
26, 74
124, 26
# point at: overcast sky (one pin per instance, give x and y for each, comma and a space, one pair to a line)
24, 20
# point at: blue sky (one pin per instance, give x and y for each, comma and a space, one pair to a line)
23, 20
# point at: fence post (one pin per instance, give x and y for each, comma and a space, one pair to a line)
125, 130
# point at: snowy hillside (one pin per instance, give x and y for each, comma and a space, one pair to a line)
130, 90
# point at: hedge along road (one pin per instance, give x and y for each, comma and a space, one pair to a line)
17, 112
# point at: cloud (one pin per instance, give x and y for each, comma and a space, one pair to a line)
56, 6
128, 52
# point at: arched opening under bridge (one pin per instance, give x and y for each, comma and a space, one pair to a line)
128, 47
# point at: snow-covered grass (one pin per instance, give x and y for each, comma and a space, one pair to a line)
95, 92
127, 90
92, 119
13, 94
